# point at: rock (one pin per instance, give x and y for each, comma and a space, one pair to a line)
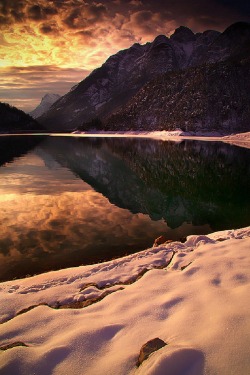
150, 347
160, 240
12, 345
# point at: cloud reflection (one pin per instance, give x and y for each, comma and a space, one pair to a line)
43, 232
30, 174
51, 219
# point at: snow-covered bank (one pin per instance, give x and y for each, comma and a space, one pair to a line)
240, 139
193, 296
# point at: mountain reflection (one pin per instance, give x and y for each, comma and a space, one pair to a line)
196, 182
73, 201
12, 147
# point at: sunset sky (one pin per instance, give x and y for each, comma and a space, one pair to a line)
48, 46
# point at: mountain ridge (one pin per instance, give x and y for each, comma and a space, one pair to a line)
110, 87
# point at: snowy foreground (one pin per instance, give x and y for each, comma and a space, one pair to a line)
94, 319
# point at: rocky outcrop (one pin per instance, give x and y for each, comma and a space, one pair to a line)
109, 88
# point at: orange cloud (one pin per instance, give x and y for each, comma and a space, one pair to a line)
147, 24
83, 34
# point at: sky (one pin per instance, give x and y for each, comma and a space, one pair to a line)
49, 46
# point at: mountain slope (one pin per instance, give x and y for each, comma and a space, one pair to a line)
111, 86
213, 97
14, 120
45, 104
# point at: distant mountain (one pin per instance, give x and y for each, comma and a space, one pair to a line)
14, 120
45, 105
101, 99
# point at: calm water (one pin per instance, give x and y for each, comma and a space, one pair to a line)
70, 201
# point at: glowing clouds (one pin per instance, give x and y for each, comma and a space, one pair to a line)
48, 35
83, 34
75, 29
149, 24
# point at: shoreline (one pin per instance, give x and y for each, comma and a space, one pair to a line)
220, 236
239, 139
192, 295
223, 235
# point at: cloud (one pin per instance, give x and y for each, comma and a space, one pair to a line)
85, 16
36, 13
72, 20
50, 11
146, 24
201, 15
11, 12
24, 87
136, 3
83, 33
49, 28
96, 11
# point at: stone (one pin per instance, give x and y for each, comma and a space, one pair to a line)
160, 240
150, 347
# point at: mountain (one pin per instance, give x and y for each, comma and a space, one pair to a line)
109, 89
45, 104
14, 120
211, 97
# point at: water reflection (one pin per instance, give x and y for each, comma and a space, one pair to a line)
12, 147
196, 182
42, 232
52, 214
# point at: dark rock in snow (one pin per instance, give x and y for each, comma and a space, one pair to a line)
160, 240
150, 347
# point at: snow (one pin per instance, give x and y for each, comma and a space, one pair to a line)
193, 296
240, 139
177, 135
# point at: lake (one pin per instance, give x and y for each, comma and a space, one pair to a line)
68, 201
